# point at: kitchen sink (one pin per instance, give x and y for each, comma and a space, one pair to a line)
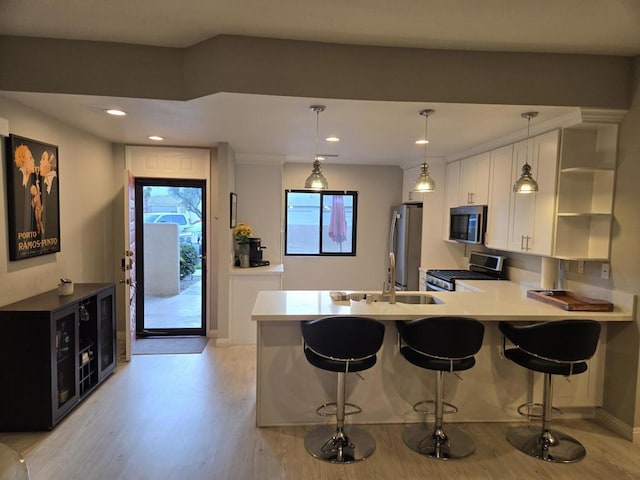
412, 297
417, 297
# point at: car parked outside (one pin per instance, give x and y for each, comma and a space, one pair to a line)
167, 217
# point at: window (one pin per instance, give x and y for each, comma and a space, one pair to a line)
320, 223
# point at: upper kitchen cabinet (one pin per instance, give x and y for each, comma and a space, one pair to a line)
500, 191
531, 215
452, 189
474, 180
585, 191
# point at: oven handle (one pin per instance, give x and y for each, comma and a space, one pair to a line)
434, 288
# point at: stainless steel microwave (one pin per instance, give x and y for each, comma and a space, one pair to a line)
468, 224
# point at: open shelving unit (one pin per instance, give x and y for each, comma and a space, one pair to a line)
584, 211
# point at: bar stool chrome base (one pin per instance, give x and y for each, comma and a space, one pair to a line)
549, 445
12, 465
436, 443
347, 445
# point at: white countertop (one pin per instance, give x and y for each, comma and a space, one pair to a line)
497, 300
277, 269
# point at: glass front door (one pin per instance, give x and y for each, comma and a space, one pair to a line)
171, 251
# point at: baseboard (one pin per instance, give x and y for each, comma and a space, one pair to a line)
614, 424
219, 342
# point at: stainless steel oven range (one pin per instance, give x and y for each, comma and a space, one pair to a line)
482, 266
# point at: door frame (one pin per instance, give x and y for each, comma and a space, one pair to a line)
141, 182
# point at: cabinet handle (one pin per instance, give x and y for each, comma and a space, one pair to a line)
528, 237
521, 242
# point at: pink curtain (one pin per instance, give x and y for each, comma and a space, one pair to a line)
338, 221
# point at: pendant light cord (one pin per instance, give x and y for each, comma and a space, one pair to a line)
317, 132
426, 140
526, 157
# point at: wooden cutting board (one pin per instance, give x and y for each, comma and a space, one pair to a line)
570, 301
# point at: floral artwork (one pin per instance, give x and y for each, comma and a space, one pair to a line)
33, 198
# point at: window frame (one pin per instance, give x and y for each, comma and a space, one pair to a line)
322, 193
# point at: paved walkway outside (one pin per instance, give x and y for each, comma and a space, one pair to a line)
178, 311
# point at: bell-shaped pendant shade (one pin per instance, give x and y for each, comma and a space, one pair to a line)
526, 183
424, 183
316, 180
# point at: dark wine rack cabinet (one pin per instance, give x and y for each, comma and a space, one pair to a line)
56, 350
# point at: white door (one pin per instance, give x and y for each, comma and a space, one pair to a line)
129, 263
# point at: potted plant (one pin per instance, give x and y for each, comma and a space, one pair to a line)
241, 234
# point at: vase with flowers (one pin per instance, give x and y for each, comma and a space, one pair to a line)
241, 234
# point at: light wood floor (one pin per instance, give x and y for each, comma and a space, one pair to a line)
192, 417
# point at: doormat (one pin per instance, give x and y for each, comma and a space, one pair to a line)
169, 345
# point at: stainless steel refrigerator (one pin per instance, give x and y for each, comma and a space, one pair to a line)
405, 241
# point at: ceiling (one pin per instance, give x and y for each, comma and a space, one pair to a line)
284, 126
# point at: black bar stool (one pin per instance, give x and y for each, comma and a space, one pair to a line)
442, 344
341, 345
553, 348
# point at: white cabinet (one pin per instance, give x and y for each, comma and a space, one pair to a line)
531, 215
521, 222
452, 193
467, 184
584, 390
474, 180
500, 190
422, 279
244, 288
585, 192
460, 287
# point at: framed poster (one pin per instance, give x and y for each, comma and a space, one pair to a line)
33, 199
233, 210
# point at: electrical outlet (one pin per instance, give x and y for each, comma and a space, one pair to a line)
580, 266
604, 272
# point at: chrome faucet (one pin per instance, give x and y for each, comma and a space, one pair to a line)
389, 287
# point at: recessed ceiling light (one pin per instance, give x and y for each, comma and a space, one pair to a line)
115, 112
422, 142
332, 139
156, 138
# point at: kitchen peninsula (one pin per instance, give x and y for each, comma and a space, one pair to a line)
289, 389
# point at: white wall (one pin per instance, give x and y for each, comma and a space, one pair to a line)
621, 392
223, 177
379, 188
259, 188
86, 208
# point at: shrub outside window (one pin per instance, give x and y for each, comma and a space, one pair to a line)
320, 223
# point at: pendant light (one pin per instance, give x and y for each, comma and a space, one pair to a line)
316, 180
526, 183
425, 183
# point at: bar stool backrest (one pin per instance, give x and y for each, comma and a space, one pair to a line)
443, 337
343, 338
562, 340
